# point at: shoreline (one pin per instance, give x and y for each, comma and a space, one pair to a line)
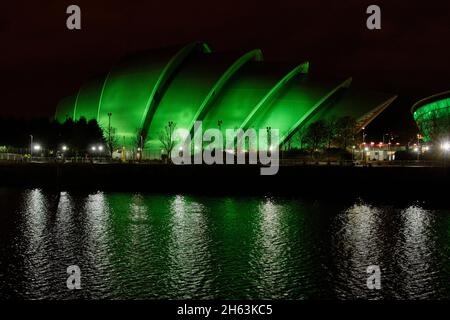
321, 180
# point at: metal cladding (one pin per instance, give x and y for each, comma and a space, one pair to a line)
144, 92
432, 115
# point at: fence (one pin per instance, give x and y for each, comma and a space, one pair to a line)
13, 157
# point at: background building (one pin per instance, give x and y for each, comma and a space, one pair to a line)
432, 116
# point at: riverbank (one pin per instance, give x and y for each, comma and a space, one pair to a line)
242, 179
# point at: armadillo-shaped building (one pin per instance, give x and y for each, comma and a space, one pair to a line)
142, 93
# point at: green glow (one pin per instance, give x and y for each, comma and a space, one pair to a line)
255, 55
298, 101
312, 110
276, 89
87, 98
127, 91
433, 115
249, 86
146, 91
186, 93
164, 78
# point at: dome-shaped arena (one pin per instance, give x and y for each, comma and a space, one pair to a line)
432, 116
142, 93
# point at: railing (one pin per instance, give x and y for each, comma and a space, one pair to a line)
360, 163
20, 158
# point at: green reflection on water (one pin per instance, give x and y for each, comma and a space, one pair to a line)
177, 246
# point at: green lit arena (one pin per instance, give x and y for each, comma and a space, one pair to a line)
143, 92
432, 116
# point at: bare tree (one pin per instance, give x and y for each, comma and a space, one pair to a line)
112, 139
330, 131
316, 135
301, 136
345, 131
166, 138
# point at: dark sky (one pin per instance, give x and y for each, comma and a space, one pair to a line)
42, 61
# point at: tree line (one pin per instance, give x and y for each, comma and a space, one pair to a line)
78, 136
321, 135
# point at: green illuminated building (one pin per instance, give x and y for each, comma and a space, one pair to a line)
145, 91
432, 116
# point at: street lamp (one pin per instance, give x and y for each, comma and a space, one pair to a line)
109, 132
31, 146
269, 138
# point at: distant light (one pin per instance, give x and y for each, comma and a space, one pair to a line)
445, 146
37, 147
139, 149
372, 143
100, 148
398, 143
64, 148
94, 148
416, 149
426, 148
366, 149
354, 147
180, 149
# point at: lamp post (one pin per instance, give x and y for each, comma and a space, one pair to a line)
363, 135
418, 146
31, 147
109, 134
269, 139
64, 149
219, 125
363, 143
141, 147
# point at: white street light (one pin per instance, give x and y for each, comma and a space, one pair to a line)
445, 146
37, 147
64, 148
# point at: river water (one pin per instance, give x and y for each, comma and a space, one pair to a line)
153, 246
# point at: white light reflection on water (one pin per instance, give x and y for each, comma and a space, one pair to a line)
96, 264
37, 259
190, 259
272, 253
414, 252
359, 243
66, 235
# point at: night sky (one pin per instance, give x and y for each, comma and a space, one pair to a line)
42, 61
